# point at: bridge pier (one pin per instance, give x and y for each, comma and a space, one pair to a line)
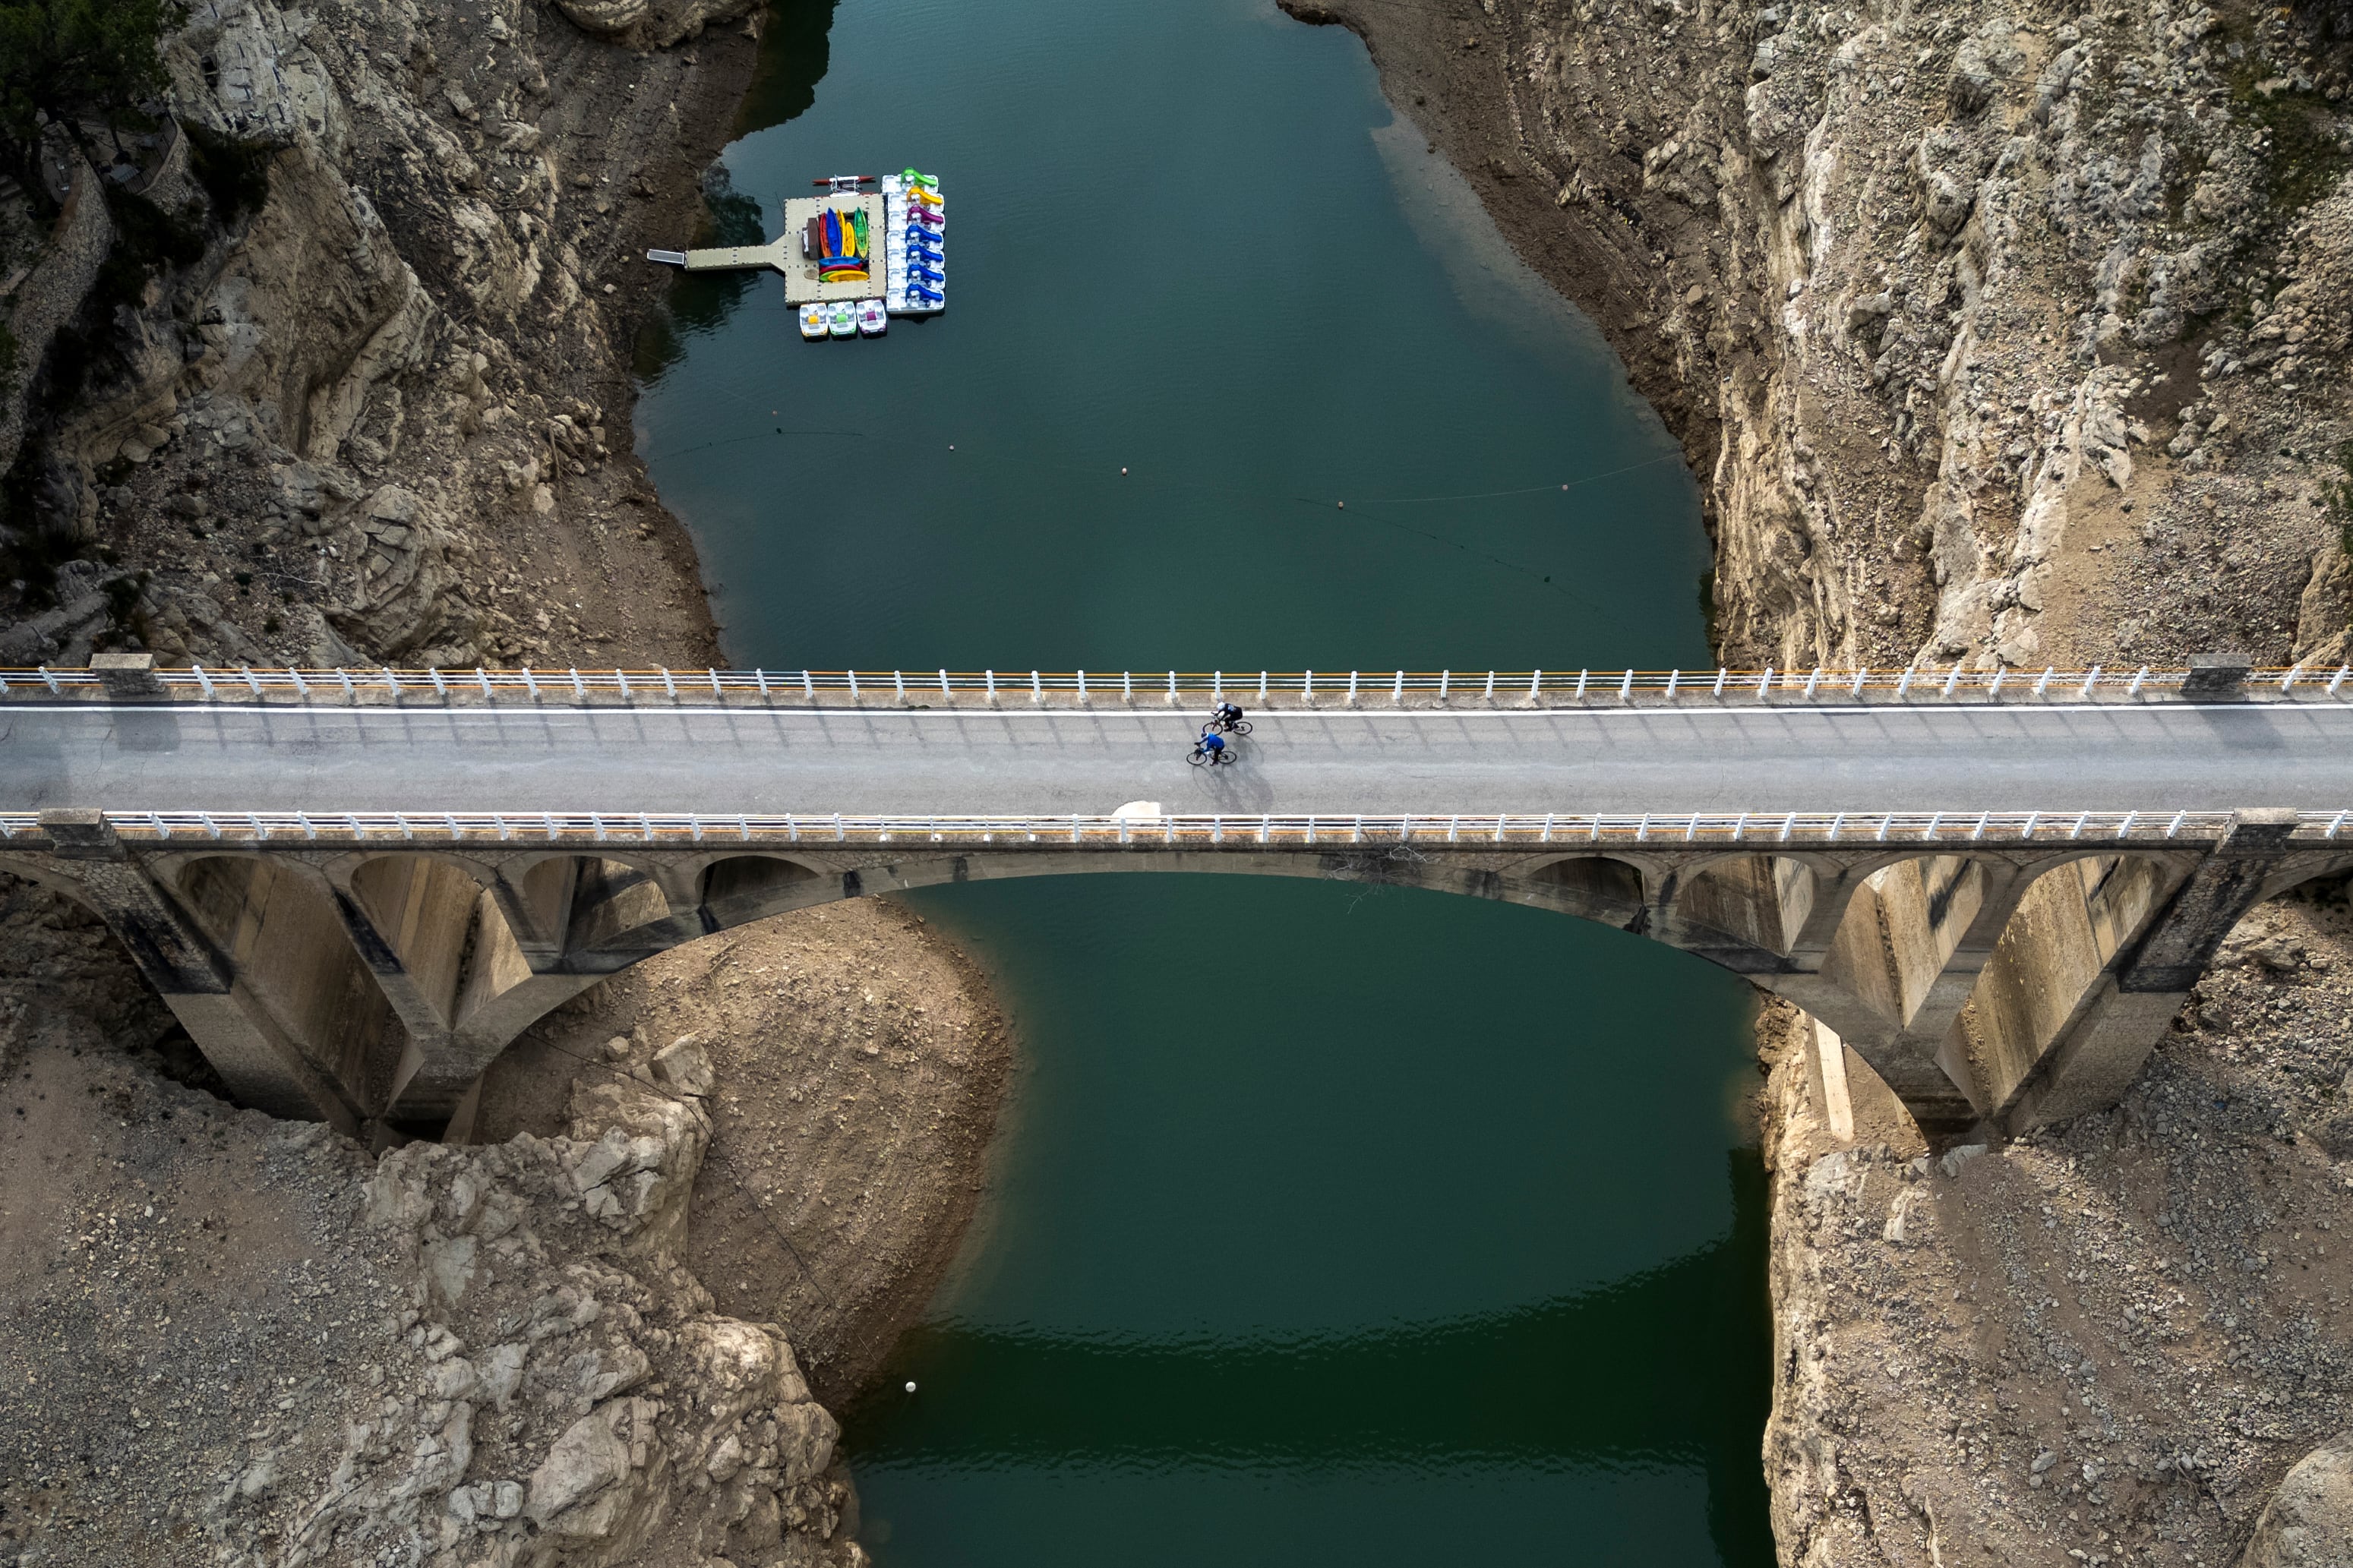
207, 988
2134, 1001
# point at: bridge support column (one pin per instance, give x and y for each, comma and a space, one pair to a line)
2132, 1006
1911, 1073
1997, 889
1821, 985
437, 935
257, 1059
537, 905
129, 676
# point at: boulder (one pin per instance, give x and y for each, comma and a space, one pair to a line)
2309, 1521
604, 17
592, 1455
685, 1066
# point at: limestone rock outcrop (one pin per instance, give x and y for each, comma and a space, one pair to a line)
611, 18
376, 247
444, 1356
569, 1395
658, 23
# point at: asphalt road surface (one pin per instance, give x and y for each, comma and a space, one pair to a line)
2060, 757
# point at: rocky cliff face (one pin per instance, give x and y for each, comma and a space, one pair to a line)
350, 385
2001, 333
330, 369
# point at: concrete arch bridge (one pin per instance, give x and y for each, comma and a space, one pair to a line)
355, 888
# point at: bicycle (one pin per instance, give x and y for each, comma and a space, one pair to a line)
1238, 727
1201, 756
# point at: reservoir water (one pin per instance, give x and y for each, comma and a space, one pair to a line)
1326, 1224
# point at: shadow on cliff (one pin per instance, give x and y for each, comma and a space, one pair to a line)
795, 47
1669, 1369
795, 51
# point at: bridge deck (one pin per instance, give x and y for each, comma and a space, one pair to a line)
1970, 758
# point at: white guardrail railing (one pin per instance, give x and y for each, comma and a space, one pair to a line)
672, 831
1173, 689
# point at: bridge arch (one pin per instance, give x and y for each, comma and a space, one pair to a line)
2053, 963
1762, 899
1616, 888
735, 889
2319, 871
559, 900
39, 869
1969, 976
1875, 929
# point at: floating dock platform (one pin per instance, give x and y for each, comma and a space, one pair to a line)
906, 268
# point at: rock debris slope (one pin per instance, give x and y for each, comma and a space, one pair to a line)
227, 1340
239, 1342
2113, 1338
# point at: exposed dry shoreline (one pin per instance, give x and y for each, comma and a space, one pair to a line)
860, 1059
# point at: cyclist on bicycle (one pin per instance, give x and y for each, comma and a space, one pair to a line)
1214, 745
1225, 715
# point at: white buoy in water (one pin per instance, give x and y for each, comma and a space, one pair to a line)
910, 1385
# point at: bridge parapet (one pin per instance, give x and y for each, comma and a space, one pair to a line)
1902, 832
134, 679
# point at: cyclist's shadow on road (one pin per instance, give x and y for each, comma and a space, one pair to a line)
1239, 787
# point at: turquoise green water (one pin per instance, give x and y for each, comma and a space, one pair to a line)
1326, 1224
